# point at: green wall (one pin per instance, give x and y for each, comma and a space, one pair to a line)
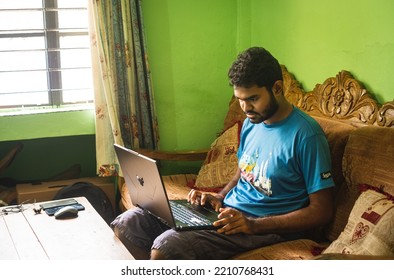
52, 143
43, 158
191, 45
32, 126
317, 39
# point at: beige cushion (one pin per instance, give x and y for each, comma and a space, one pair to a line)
234, 114
221, 162
300, 249
368, 229
367, 159
177, 186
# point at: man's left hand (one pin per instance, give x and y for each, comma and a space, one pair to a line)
232, 221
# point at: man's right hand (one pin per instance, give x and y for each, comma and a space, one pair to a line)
202, 198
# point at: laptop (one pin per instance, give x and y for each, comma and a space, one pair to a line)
147, 191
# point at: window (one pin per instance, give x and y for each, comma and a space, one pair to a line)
44, 53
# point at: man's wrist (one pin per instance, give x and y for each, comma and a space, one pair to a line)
220, 196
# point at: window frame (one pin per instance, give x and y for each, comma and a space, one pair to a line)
51, 35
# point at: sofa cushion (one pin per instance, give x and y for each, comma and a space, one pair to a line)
369, 157
177, 185
368, 160
234, 114
221, 162
300, 249
368, 229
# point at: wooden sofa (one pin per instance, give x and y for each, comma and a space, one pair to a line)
361, 138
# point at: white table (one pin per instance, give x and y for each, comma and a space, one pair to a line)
29, 236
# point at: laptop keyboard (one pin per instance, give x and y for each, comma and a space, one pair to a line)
187, 216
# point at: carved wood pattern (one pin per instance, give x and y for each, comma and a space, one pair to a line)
341, 97
292, 89
386, 115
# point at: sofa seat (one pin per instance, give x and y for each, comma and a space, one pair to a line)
300, 249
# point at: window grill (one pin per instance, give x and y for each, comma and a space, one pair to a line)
44, 53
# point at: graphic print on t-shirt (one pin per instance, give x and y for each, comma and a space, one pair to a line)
254, 173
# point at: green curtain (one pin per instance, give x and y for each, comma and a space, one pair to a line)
125, 111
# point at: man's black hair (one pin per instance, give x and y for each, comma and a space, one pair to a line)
255, 67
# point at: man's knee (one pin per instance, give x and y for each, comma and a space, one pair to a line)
173, 245
131, 228
156, 255
127, 218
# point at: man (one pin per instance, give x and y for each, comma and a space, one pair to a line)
283, 186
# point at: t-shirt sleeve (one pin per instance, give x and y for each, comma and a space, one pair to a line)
315, 160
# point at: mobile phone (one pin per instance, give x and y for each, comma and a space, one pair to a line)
56, 203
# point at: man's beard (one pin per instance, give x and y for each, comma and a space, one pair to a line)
271, 109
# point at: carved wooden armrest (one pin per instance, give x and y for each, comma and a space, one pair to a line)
194, 155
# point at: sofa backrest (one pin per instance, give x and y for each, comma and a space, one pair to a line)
368, 159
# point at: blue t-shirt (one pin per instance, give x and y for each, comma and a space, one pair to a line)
281, 164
